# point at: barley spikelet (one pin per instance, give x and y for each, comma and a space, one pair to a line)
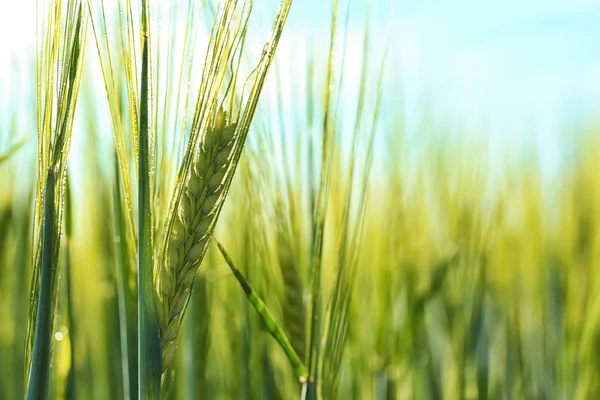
190, 234
294, 313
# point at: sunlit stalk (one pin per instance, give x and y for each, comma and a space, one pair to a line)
149, 353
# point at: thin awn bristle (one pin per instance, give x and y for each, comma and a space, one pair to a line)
190, 234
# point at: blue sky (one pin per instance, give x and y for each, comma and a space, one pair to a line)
532, 57
518, 65
512, 65
520, 74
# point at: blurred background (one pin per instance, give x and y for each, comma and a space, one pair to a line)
463, 218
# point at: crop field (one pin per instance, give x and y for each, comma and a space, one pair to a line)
219, 200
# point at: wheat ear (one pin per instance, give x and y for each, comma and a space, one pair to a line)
294, 312
191, 231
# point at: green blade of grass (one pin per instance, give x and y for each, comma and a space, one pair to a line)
126, 297
265, 315
39, 374
149, 347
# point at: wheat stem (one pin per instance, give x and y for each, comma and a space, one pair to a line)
149, 342
39, 374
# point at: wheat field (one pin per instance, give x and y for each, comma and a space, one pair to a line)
196, 205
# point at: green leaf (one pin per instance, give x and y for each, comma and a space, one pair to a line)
265, 315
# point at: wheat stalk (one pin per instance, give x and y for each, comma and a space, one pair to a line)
206, 173
190, 234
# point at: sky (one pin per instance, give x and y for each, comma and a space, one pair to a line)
514, 66
524, 57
